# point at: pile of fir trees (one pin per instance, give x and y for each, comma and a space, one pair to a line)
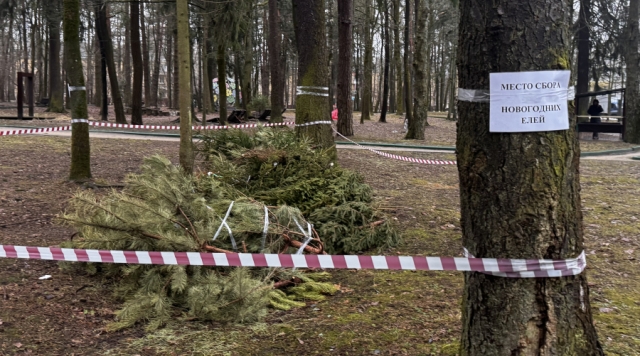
262, 193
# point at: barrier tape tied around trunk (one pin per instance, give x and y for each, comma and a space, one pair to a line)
514, 268
401, 158
154, 127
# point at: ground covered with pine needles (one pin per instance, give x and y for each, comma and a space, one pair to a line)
372, 313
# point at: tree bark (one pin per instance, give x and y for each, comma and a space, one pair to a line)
345, 45
126, 61
106, 46
184, 59
408, 59
222, 83
136, 59
312, 99
422, 98
367, 85
275, 63
146, 70
56, 103
169, 60
80, 149
519, 192
155, 77
397, 59
632, 59
264, 69
385, 86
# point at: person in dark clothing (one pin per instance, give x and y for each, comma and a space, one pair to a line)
594, 111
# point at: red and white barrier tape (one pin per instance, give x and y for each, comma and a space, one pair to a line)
140, 127
34, 131
515, 268
401, 158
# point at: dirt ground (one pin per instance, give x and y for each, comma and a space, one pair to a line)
375, 313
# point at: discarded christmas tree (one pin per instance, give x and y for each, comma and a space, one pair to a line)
242, 202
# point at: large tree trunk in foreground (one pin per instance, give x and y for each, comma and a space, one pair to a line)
275, 61
80, 149
136, 59
313, 75
632, 59
519, 192
345, 45
107, 48
184, 67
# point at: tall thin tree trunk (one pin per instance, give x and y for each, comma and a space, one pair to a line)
408, 81
176, 71
311, 101
345, 46
422, 98
385, 91
56, 103
106, 46
146, 70
222, 83
155, 77
367, 86
276, 63
264, 69
519, 193
80, 149
632, 59
184, 59
126, 61
168, 58
136, 59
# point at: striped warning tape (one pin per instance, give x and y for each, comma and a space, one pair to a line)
401, 158
34, 131
515, 268
156, 127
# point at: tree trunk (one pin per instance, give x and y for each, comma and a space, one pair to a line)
264, 70
397, 59
106, 46
247, 66
276, 63
367, 85
632, 94
519, 192
222, 83
136, 59
146, 70
345, 45
80, 149
408, 82
422, 97
155, 76
385, 90
126, 61
313, 76
184, 59
56, 103
176, 71
206, 77
169, 60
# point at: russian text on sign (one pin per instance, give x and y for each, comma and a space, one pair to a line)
517, 96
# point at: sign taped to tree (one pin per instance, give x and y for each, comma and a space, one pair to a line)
529, 101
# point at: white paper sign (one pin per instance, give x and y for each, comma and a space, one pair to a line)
529, 101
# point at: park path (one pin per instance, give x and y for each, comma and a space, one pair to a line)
160, 137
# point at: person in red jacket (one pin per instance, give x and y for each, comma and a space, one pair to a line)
334, 113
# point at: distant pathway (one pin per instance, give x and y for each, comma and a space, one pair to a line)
164, 137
